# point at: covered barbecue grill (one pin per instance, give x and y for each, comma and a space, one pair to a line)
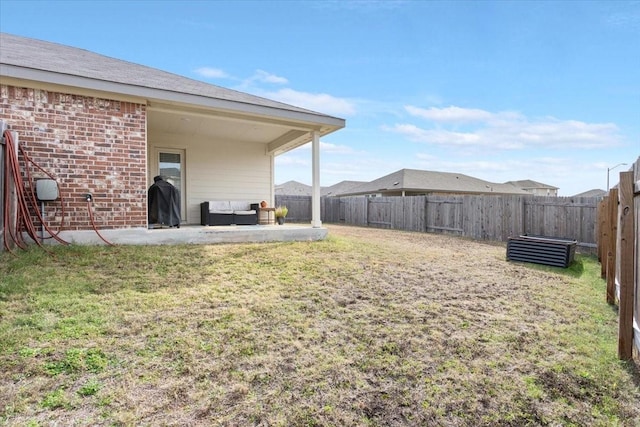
163, 203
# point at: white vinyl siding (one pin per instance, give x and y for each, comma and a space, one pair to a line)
219, 170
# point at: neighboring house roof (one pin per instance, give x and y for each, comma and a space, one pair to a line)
528, 184
340, 187
293, 188
596, 192
24, 58
412, 180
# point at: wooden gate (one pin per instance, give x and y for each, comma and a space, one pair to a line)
379, 212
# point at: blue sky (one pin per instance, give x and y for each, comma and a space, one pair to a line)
548, 91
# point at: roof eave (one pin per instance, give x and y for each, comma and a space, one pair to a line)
325, 124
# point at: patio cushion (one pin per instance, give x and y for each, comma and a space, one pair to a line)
227, 212
220, 207
237, 205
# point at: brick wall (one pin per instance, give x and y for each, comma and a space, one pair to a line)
90, 145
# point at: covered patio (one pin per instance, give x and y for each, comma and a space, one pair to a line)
198, 234
102, 129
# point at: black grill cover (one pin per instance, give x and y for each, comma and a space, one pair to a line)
164, 203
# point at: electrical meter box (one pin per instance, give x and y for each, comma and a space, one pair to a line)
46, 189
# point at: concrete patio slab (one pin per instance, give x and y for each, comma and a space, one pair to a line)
197, 234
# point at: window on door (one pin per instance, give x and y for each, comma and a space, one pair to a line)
171, 167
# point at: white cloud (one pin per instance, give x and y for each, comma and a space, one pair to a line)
361, 168
337, 163
211, 73
291, 160
436, 136
625, 15
504, 130
430, 162
328, 148
572, 175
450, 114
259, 76
265, 77
320, 102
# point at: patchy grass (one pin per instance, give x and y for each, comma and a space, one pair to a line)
367, 328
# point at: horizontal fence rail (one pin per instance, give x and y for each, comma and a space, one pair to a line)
480, 217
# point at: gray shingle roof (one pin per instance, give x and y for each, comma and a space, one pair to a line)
293, 188
42, 56
529, 184
592, 193
430, 181
340, 187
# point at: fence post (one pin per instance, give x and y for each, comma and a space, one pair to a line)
601, 235
523, 212
627, 267
425, 213
612, 231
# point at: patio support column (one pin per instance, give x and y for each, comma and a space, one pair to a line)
315, 185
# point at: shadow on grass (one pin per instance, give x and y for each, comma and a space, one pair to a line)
633, 369
575, 269
79, 269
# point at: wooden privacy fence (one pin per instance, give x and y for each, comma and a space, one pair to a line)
299, 207
619, 255
482, 217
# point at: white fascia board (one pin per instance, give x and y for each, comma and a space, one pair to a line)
313, 120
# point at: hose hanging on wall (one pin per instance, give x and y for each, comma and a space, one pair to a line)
25, 202
21, 202
93, 224
34, 200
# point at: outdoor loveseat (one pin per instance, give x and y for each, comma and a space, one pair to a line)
228, 212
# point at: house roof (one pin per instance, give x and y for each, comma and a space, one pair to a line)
340, 187
293, 188
529, 184
52, 63
74, 62
413, 180
596, 192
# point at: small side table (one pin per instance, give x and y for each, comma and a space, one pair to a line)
269, 218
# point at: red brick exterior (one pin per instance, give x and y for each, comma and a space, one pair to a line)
90, 145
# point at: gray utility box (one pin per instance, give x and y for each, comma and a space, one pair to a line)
46, 190
554, 251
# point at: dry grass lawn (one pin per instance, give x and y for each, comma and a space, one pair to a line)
368, 328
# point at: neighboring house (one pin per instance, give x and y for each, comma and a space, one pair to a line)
535, 188
592, 193
106, 127
412, 182
341, 187
293, 188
